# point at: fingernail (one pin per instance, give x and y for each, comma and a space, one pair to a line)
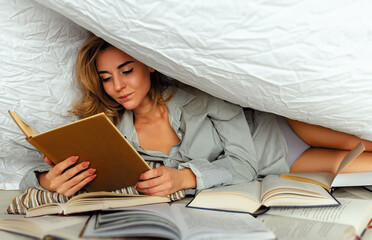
91, 171
74, 158
85, 164
92, 177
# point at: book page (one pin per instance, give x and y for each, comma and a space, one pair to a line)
355, 152
49, 208
368, 234
67, 226
242, 197
289, 228
141, 221
353, 179
354, 212
217, 224
322, 179
352, 192
104, 200
252, 189
25, 128
185, 222
277, 191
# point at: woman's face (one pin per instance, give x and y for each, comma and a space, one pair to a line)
124, 78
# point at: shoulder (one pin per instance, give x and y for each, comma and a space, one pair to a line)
206, 103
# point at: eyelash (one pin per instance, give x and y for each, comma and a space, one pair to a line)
129, 71
125, 72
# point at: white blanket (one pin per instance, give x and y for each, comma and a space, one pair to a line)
305, 59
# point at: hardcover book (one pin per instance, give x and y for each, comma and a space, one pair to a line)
94, 139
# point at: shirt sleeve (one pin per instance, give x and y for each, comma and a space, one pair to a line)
238, 163
30, 180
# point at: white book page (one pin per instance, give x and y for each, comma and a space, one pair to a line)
252, 189
368, 234
355, 152
352, 192
244, 197
40, 226
353, 179
196, 223
126, 224
288, 228
192, 222
355, 212
322, 177
273, 186
49, 208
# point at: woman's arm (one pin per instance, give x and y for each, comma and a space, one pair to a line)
30, 179
237, 162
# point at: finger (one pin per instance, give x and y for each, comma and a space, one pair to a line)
160, 190
153, 182
152, 173
74, 170
79, 186
47, 161
79, 181
62, 166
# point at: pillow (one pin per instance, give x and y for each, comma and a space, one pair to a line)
308, 60
37, 60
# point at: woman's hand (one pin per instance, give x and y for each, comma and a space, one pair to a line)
163, 180
66, 182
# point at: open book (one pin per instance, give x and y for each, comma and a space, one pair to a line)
94, 139
273, 191
92, 201
45, 227
325, 179
174, 221
344, 222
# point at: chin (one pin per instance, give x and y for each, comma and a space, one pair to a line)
129, 106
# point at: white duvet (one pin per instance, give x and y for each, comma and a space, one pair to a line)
309, 60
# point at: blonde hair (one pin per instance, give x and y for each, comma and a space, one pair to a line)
93, 97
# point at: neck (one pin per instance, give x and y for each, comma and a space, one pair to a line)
148, 111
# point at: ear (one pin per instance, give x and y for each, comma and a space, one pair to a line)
151, 69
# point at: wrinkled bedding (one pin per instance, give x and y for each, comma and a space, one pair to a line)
303, 59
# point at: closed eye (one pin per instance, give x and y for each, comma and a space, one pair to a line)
126, 72
105, 79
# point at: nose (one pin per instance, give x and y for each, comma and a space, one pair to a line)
119, 82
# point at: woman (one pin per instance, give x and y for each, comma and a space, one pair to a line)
201, 140
195, 136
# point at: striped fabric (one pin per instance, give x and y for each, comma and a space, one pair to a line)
34, 197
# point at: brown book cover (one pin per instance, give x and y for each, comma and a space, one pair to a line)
94, 139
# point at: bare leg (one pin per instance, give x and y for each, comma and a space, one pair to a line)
328, 148
328, 160
317, 136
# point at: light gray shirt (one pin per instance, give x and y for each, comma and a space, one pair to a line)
216, 141
211, 141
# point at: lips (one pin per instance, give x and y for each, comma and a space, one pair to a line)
125, 97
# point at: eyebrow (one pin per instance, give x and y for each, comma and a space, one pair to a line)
120, 66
